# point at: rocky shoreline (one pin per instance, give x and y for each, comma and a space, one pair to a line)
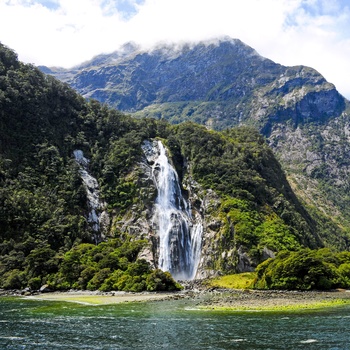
201, 297
273, 299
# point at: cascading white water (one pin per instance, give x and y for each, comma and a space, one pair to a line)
180, 235
92, 190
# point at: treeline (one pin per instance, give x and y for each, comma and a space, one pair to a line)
111, 265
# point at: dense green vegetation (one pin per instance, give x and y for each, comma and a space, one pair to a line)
243, 280
45, 236
305, 269
258, 207
111, 265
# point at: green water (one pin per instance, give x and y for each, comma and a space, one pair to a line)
34, 324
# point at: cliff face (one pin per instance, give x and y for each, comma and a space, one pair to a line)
198, 206
214, 251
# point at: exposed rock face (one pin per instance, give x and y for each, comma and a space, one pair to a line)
137, 221
221, 82
97, 217
300, 96
315, 157
199, 207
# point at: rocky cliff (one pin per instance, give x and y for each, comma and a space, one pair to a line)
230, 187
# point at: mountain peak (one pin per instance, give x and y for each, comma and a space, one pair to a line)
230, 78
173, 72
173, 50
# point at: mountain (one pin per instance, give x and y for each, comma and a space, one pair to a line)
224, 83
219, 83
93, 198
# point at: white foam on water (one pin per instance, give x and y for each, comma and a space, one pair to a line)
309, 341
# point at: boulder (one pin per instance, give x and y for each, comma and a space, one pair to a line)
45, 289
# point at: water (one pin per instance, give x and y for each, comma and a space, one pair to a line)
33, 324
180, 235
92, 192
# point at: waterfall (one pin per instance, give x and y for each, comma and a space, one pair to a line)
180, 234
92, 192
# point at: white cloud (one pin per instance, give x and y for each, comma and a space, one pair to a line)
318, 39
65, 32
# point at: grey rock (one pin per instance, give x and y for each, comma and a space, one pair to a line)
45, 289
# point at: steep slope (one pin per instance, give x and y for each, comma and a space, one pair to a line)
225, 83
80, 194
41, 192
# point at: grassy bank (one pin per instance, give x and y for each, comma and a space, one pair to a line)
235, 281
101, 299
287, 305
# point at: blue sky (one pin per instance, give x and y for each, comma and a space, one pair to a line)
64, 33
50, 4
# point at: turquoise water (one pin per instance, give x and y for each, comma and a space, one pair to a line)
34, 324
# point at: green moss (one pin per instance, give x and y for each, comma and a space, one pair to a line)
236, 281
307, 306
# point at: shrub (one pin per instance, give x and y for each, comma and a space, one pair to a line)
98, 279
304, 270
158, 280
13, 279
34, 283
